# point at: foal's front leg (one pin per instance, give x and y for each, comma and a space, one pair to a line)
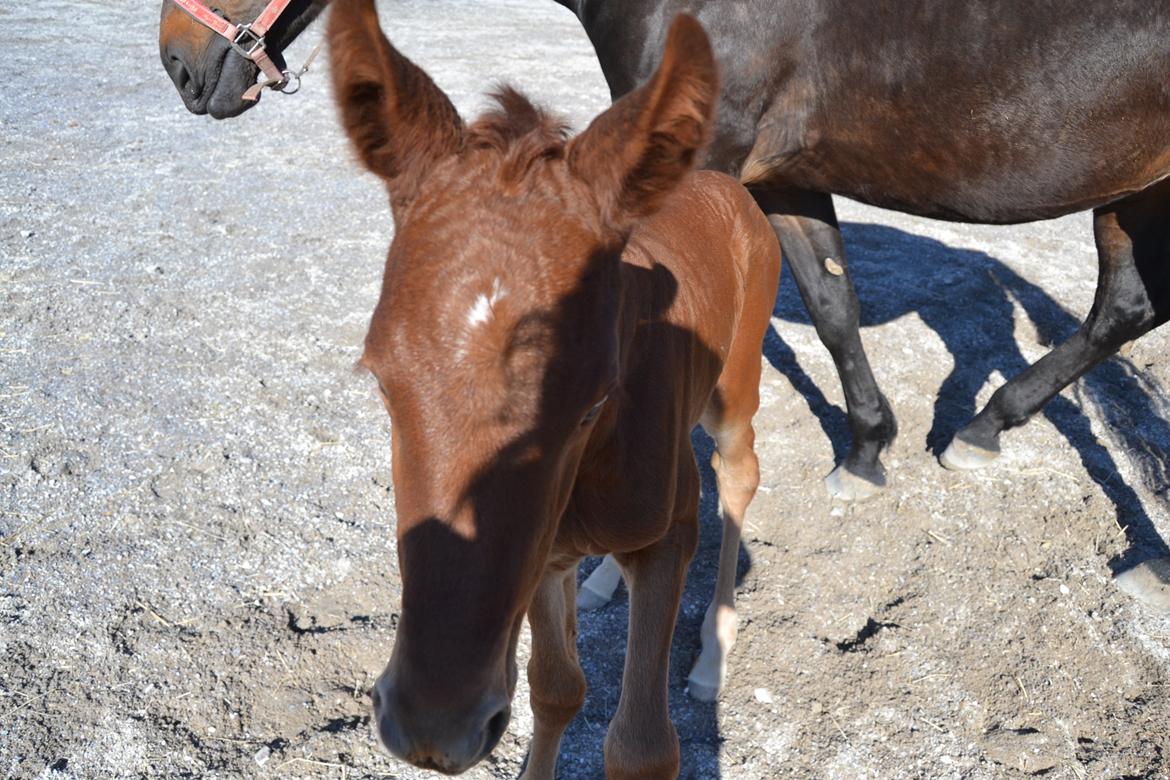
641, 742
555, 679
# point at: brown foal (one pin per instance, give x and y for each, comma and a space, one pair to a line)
556, 316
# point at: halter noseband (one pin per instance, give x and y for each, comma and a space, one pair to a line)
248, 41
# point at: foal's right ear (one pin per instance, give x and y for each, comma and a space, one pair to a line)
398, 120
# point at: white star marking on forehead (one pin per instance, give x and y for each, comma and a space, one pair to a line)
481, 310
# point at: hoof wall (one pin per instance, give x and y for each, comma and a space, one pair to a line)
589, 599
1148, 582
847, 486
702, 691
961, 456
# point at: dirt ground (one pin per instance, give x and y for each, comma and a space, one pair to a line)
197, 566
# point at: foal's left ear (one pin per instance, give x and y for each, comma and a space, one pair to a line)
639, 150
399, 121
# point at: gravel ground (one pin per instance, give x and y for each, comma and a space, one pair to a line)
197, 567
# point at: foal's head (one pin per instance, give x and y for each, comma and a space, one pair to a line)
495, 344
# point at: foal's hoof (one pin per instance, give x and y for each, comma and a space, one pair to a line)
702, 690
847, 486
964, 456
1148, 582
598, 588
589, 599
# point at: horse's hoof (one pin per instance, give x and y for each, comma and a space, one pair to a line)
847, 486
702, 691
1148, 582
964, 456
589, 599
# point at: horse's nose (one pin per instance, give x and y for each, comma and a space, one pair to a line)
181, 75
428, 738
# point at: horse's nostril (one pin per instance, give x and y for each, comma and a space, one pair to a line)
376, 699
182, 77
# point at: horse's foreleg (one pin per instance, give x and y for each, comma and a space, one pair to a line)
806, 224
1133, 297
642, 743
554, 675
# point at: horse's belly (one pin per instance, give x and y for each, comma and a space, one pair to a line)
949, 178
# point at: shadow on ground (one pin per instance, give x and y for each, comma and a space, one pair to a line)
968, 298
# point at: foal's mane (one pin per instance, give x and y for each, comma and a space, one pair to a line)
521, 132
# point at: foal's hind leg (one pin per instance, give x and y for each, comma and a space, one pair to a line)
737, 472
1133, 297
806, 224
728, 419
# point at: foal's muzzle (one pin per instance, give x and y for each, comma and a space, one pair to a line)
426, 736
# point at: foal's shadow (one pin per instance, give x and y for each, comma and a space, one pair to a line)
968, 299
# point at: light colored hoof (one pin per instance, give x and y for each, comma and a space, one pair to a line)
847, 486
598, 588
589, 599
702, 690
1148, 582
961, 456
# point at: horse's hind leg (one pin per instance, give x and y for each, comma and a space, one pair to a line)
554, 675
806, 224
1133, 297
598, 588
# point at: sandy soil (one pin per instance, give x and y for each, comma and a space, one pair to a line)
197, 569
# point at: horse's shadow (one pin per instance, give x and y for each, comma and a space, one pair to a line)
968, 298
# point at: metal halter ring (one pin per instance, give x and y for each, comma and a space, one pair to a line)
291, 84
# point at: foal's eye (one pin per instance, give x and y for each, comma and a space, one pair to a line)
591, 415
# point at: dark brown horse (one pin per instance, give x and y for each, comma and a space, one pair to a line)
996, 111
556, 315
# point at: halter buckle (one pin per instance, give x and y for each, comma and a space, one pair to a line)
248, 43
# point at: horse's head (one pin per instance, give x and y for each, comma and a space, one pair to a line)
496, 345
211, 76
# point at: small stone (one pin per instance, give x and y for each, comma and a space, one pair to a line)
167, 486
1149, 582
833, 267
1026, 750
324, 435
763, 696
262, 755
1064, 591
27, 233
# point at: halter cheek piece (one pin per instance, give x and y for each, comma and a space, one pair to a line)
248, 41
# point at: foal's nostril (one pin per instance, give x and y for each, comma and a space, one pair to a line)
495, 728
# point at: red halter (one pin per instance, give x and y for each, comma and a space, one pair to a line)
248, 41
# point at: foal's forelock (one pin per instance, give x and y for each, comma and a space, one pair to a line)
512, 137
